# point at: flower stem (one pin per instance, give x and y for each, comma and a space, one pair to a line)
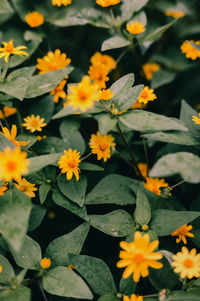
146, 151
3, 75
177, 184
82, 159
121, 55
43, 293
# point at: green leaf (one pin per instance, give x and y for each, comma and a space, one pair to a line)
72, 242
27, 138
43, 191
108, 297
142, 212
66, 111
156, 34
122, 85
62, 281
183, 163
21, 293
145, 121
174, 137
74, 190
106, 123
36, 217
29, 256
5, 8
44, 108
4, 142
26, 72
105, 191
96, 272
127, 286
165, 221
114, 42
127, 99
117, 223
186, 117
15, 87
129, 7
182, 296
50, 145
162, 77
7, 273
39, 162
90, 167
15, 207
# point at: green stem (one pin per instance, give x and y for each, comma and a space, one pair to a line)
121, 55
179, 183
145, 151
19, 121
3, 75
5, 119
82, 159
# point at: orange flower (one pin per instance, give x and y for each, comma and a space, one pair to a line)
147, 95
190, 51
7, 112
175, 14
61, 2
101, 145
34, 123
3, 188
45, 263
103, 59
182, 232
154, 184
69, 163
106, 3
11, 135
143, 169
149, 69
34, 19
135, 27
105, 94
196, 119
59, 92
98, 74
27, 187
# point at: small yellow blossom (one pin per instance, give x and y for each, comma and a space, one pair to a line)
11, 135
53, 61
1, 269
105, 94
143, 169
190, 51
98, 73
69, 163
149, 69
14, 163
138, 105
61, 2
26, 187
187, 263
45, 263
175, 14
145, 227
71, 267
3, 188
182, 232
83, 95
7, 112
154, 184
59, 92
135, 27
103, 59
147, 95
34, 123
9, 49
196, 119
106, 3
39, 138
138, 256
133, 298
34, 19
101, 145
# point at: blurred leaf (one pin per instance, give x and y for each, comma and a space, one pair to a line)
174, 137
142, 212
127, 286
108, 297
125, 100
31, 139
50, 145
39, 162
156, 34
182, 296
186, 117
66, 111
21, 293
162, 77
90, 167
36, 217
26, 72
122, 85
7, 273
4, 142
15, 87
114, 42
129, 7
106, 123
43, 191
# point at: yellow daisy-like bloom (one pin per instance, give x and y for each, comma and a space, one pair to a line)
105, 94
101, 145
187, 263
143, 169
98, 74
58, 92
61, 2
53, 61
147, 95
154, 184
182, 232
9, 49
149, 69
69, 163
45, 263
34, 123
196, 119
14, 163
175, 14
11, 135
190, 51
103, 59
34, 19
133, 298
3, 188
27, 187
106, 3
7, 112
135, 27
83, 95
1, 269
138, 255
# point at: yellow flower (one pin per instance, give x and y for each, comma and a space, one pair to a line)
133, 298
11, 135
103, 59
135, 27
149, 69
13, 164
3, 188
26, 187
1, 269
53, 61
69, 163
138, 105
147, 95
9, 49
190, 51
105, 94
187, 263
196, 119
71, 267
34, 123
34, 19
182, 232
175, 14
45, 263
98, 74
7, 112
101, 145
154, 184
58, 91
39, 138
83, 95
138, 255
143, 169
105, 3
61, 2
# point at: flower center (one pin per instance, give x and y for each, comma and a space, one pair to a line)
11, 165
82, 95
155, 189
53, 66
144, 94
23, 188
188, 263
34, 123
72, 163
103, 146
139, 257
9, 47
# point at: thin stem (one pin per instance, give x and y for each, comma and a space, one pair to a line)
3, 75
129, 163
177, 184
82, 159
121, 55
5, 120
19, 121
149, 296
146, 151
43, 294
56, 178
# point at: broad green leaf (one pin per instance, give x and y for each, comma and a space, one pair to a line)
66, 111
127, 286
186, 117
36, 217
162, 77
39, 162
145, 121
108, 297
90, 167
105, 191
127, 99
31, 139
43, 191
114, 42
183, 163
50, 145
156, 34
5, 7
26, 72
142, 212
21, 294
129, 7
106, 123
29, 256
95, 272
117, 223
15, 87
44, 108
73, 190
7, 273
62, 281
15, 207
123, 84
182, 296
165, 221
72, 242
4, 142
